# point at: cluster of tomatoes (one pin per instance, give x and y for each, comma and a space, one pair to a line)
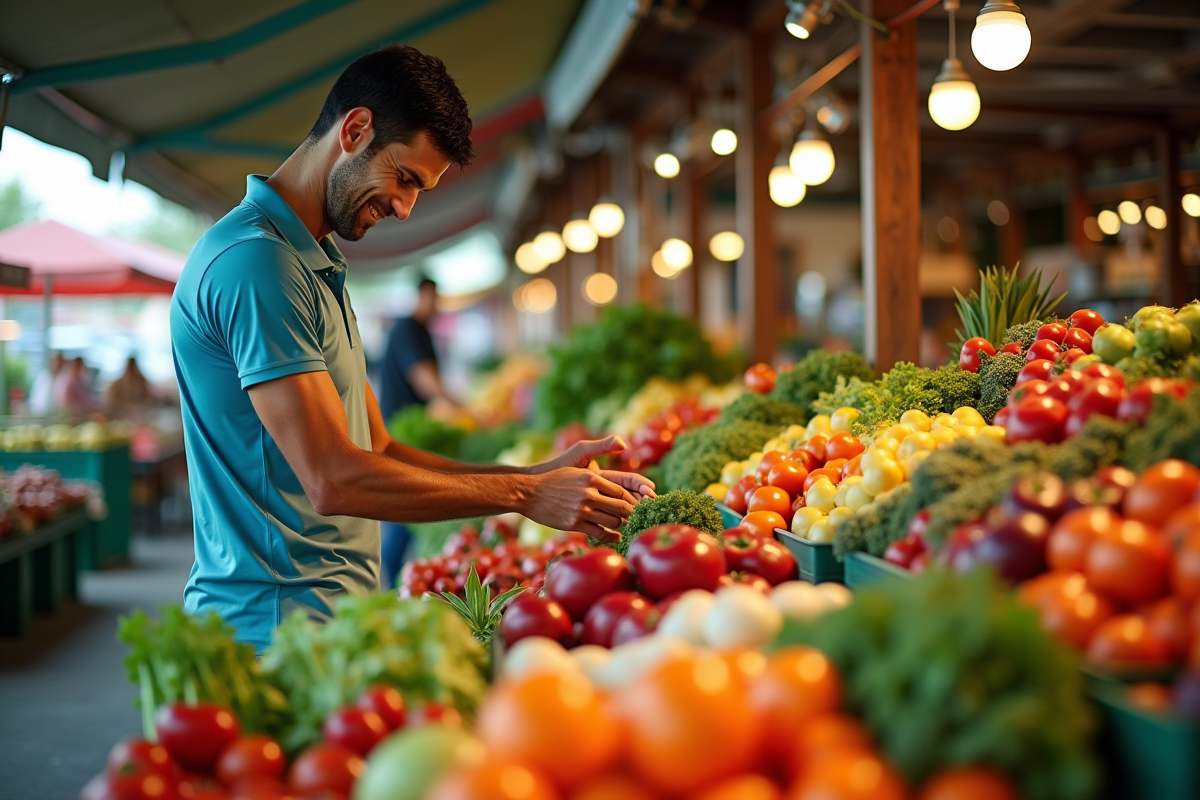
735, 725
202, 754
499, 559
1055, 341
651, 443
600, 597
36, 496
771, 496
1054, 408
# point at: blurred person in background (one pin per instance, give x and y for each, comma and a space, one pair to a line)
128, 393
409, 377
41, 396
71, 393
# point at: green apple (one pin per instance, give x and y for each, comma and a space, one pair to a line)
1082, 363
1153, 335
406, 764
1113, 342
1179, 338
1189, 317
1148, 312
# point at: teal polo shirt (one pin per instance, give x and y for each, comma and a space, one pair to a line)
260, 299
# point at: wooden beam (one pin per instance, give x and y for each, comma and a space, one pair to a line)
757, 279
699, 233
1173, 283
891, 189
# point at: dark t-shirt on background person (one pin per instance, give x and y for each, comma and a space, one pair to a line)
408, 344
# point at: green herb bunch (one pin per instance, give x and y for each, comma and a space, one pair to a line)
478, 609
700, 454
679, 508
906, 386
819, 372
765, 409
951, 670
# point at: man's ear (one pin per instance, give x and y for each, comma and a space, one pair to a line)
356, 131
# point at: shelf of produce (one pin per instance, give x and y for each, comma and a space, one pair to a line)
37, 570
864, 569
729, 517
106, 541
815, 560
1145, 753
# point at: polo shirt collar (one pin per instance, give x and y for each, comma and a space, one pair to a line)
317, 256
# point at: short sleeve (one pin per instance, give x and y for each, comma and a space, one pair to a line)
260, 303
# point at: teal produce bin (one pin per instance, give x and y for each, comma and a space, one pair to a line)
1147, 755
864, 569
105, 542
814, 560
728, 516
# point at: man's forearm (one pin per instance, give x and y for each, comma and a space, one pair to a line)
432, 461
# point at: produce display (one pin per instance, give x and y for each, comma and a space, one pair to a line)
31, 496
88, 436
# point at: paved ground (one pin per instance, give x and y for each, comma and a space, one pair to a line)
64, 697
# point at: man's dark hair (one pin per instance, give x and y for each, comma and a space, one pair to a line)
407, 92
430, 282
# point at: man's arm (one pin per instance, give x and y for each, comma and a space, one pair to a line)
426, 379
305, 417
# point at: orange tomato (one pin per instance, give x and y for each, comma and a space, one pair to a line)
748, 665
850, 775
769, 460
1182, 524
969, 783
1185, 569
1075, 613
1073, 534
495, 779
1130, 565
556, 723
743, 787
614, 787
815, 446
687, 726
821, 735
1038, 591
802, 456
843, 445
852, 467
1125, 640
737, 496
835, 477
1161, 491
760, 379
1168, 622
798, 683
837, 464
770, 498
763, 523
789, 476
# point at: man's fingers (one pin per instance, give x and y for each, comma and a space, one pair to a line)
634, 483
602, 518
607, 487
591, 450
599, 532
612, 506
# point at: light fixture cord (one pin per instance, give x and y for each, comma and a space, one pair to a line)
861, 17
951, 6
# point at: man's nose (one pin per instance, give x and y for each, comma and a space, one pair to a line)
402, 205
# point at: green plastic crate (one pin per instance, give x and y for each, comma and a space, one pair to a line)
1146, 755
729, 517
864, 569
816, 560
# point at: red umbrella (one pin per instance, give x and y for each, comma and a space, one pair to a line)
80, 263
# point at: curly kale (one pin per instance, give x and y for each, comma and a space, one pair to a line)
906, 386
957, 387
699, 455
1100, 443
875, 526
1171, 431
1026, 332
997, 375
818, 372
765, 409
679, 508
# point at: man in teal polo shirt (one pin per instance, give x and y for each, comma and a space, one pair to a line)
291, 465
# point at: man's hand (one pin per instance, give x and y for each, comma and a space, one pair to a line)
583, 455
573, 499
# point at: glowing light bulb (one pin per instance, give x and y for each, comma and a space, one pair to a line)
660, 266
727, 246
528, 260
677, 254
724, 142
1130, 212
1156, 218
1109, 222
666, 165
549, 247
953, 100
1001, 37
607, 219
600, 289
786, 189
579, 236
812, 159
539, 296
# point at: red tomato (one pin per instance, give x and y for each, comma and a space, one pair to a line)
1073, 534
1065, 386
1105, 371
737, 548
1167, 620
788, 476
1138, 404
1075, 612
387, 702
919, 524
902, 551
1052, 332
1043, 348
1131, 564
1040, 368
1001, 417
528, 614
968, 356
251, 757
815, 446
1039, 419
1078, 337
578, 581
636, 623
1072, 355
1087, 320
675, 558
1015, 348
768, 461
434, 713
746, 579
1161, 490
771, 560
326, 768
842, 445
1125, 640
196, 734
1100, 396
802, 456
135, 783
1030, 388
355, 728
760, 379
141, 754
736, 496
604, 614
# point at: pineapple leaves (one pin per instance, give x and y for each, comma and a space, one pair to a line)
478, 608
1003, 300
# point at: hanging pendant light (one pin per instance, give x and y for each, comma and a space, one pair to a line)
812, 158
1001, 37
579, 236
606, 218
953, 100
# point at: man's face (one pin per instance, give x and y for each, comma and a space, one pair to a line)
365, 187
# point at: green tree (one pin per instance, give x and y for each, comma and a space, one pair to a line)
17, 205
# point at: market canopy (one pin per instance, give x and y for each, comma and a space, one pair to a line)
192, 95
79, 263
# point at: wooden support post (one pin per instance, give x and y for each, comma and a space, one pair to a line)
1077, 208
891, 189
699, 233
1173, 283
757, 281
